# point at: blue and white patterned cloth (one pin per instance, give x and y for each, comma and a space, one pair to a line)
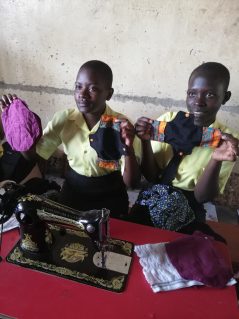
168, 207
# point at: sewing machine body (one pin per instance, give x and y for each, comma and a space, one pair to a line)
65, 242
34, 212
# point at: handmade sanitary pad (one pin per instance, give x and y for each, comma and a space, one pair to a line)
183, 135
21, 126
107, 143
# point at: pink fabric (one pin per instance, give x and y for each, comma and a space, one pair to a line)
22, 127
196, 257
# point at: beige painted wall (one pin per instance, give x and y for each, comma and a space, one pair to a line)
152, 46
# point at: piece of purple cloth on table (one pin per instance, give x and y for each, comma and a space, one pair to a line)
197, 257
21, 126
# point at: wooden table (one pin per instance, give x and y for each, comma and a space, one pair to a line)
29, 294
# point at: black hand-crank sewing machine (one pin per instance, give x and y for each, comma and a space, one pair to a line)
60, 240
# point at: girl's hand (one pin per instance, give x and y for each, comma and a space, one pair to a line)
143, 128
127, 132
6, 100
228, 149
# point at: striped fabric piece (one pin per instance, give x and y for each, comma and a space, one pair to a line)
158, 131
109, 121
210, 137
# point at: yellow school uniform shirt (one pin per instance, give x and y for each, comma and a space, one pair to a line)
192, 166
69, 128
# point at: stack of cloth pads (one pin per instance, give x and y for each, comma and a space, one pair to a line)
185, 262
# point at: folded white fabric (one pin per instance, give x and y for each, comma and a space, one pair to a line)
10, 224
160, 272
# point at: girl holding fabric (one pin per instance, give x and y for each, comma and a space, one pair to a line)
99, 144
13, 165
193, 177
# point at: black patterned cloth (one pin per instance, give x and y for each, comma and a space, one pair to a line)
107, 143
168, 207
183, 135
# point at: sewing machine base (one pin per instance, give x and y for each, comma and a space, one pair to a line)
73, 256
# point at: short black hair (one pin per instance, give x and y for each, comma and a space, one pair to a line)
213, 68
100, 67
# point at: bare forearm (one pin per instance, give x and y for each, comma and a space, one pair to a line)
208, 184
149, 166
32, 156
131, 174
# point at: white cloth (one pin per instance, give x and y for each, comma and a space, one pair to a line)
10, 224
159, 271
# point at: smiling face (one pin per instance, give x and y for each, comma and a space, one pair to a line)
91, 92
206, 93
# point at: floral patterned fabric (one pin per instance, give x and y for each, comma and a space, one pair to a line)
167, 206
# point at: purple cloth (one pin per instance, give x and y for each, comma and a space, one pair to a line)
197, 257
22, 127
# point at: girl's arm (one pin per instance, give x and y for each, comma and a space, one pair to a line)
208, 184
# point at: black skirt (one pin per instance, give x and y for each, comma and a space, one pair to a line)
85, 193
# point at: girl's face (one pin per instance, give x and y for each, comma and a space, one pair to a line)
91, 92
205, 96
